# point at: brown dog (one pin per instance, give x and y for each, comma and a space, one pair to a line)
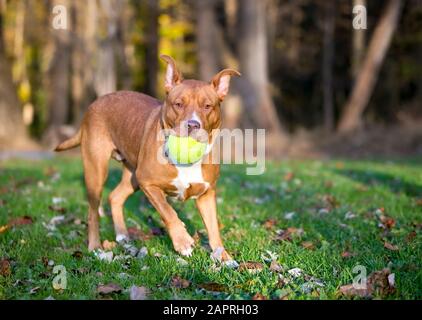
125, 125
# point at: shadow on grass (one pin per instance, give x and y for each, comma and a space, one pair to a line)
373, 178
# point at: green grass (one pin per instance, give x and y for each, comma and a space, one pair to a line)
245, 203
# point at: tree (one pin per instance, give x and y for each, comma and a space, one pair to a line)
253, 57
151, 50
58, 79
327, 64
367, 77
207, 35
12, 129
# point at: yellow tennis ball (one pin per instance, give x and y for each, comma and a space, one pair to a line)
185, 150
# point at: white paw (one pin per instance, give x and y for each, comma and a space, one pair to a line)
186, 252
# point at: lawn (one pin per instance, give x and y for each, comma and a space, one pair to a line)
303, 227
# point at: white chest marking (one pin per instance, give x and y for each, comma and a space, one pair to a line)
187, 174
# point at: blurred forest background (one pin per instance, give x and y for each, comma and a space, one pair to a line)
319, 86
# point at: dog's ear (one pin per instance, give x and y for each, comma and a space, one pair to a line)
221, 82
173, 76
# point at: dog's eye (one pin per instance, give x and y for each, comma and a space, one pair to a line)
178, 104
208, 106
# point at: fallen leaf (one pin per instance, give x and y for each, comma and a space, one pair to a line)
386, 222
180, 283
409, 238
331, 201
109, 245
270, 223
138, 293
58, 209
34, 290
295, 272
259, 296
104, 255
182, 262
108, 289
142, 253
251, 266
20, 221
390, 246
4, 228
379, 283
287, 235
213, 287
419, 202
350, 290
347, 254
5, 268
275, 266
288, 176
137, 234
157, 231
289, 215
77, 254
308, 245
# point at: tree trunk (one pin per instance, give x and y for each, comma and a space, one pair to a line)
252, 50
152, 47
207, 34
58, 81
105, 76
12, 129
327, 65
358, 44
367, 77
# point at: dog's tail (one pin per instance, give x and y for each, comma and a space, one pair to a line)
70, 143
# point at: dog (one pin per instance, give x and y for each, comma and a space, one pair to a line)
125, 125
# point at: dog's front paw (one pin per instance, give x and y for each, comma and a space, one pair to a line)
221, 255
182, 242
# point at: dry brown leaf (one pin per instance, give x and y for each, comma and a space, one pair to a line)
411, 236
308, 245
390, 246
288, 176
57, 209
347, 254
287, 235
109, 245
419, 202
251, 266
77, 254
349, 290
20, 221
259, 296
378, 283
270, 223
137, 234
4, 228
138, 293
5, 268
275, 266
109, 288
180, 283
387, 222
213, 287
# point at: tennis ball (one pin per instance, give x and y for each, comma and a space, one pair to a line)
185, 150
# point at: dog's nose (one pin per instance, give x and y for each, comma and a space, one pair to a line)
193, 125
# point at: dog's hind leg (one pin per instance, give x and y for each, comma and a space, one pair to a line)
95, 155
117, 198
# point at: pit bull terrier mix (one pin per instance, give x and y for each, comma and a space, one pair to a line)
125, 125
